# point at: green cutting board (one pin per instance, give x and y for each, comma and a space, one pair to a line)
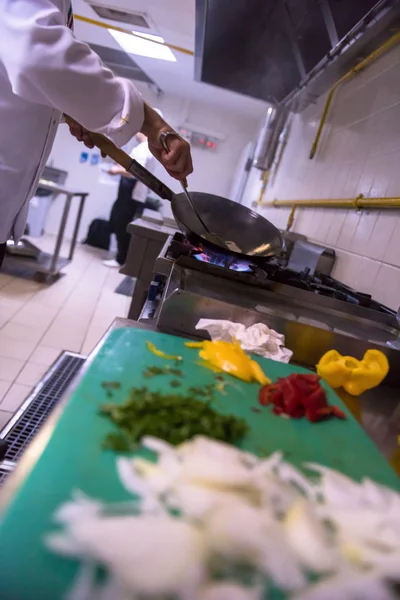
73, 458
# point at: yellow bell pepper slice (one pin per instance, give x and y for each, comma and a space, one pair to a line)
230, 358
259, 374
209, 366
335, 368
355, 376
368, 374
160, 353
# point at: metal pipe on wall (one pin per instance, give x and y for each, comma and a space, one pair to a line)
395, 39
347, 203
268, 139
264, 138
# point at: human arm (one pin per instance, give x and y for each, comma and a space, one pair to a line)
177, 161
47, 65
117, 170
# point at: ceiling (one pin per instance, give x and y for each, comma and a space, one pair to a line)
174, 20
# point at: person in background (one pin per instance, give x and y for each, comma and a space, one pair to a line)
44, 73
130, 200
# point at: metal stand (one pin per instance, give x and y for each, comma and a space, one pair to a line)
48, 265
147, 240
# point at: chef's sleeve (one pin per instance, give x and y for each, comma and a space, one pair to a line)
47, 65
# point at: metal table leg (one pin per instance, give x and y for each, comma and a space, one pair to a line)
77, 225
60, 236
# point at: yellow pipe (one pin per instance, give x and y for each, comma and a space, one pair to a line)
356, 69
348, 203
263, 187
334, 203
291, 218
123, 30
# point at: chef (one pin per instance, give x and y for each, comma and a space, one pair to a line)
44, 73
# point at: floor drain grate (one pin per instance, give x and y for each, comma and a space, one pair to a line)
39, 405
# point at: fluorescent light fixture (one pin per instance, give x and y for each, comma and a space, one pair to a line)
144, 45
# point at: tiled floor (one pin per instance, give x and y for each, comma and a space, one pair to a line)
39, 321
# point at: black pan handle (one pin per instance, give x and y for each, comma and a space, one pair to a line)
132, 166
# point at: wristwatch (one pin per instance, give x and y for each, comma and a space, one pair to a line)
163, 138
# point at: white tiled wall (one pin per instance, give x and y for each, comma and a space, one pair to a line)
359, 153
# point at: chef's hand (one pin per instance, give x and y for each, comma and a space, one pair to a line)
117, 170
82, 135
177, 161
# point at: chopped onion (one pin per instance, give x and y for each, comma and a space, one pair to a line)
353, 586
337, 488
196, 501
235, 509
84, 587
280, 562
161, 447
164, 555
267, 466
81, 506
63, 544
229, 591
308, 539
201, 469
236, 532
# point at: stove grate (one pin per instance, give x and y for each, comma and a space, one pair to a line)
41, 404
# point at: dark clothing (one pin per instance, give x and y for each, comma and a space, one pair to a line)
2, 253
124, 210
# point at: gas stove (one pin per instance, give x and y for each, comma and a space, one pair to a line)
314, 311
275, 270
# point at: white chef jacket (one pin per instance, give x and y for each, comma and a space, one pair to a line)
144, 157
44, 72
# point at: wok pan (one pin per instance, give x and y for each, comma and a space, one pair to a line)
255, 236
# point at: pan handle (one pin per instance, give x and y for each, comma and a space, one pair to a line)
149, 180
132, 166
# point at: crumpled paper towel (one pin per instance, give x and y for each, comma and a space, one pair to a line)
257, 338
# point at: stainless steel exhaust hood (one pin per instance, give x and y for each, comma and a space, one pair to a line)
275, 49
268, 138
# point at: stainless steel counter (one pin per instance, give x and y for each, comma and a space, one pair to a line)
377, 410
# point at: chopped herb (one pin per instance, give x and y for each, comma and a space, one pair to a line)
111, 385
255, 409
153, 371
175, 383
205, 391
176, 372
118, 442
171, 417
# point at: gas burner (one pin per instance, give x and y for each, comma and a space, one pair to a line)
180, 246
222, 260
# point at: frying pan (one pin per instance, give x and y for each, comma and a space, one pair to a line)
255, 236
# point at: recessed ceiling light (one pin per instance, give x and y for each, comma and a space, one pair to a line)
143, 44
